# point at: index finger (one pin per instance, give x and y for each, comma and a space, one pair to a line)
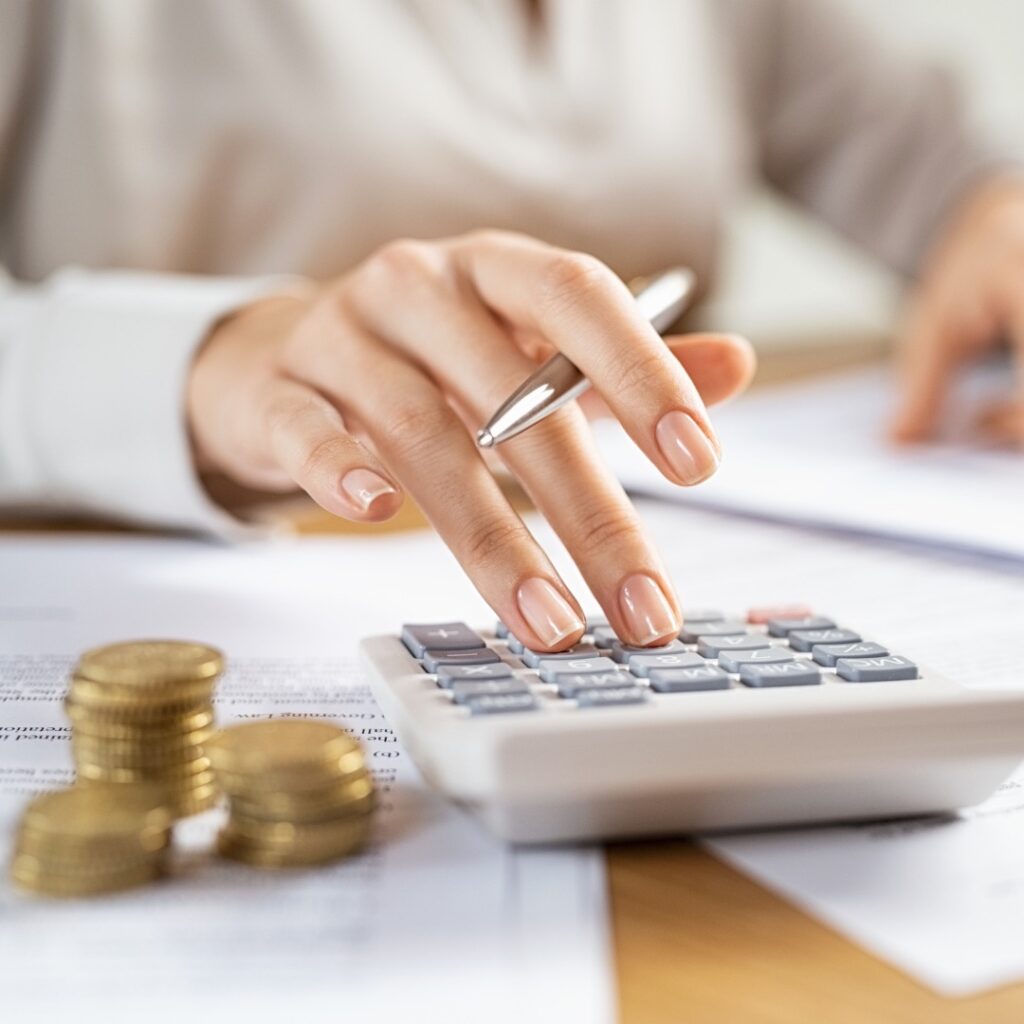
576, 302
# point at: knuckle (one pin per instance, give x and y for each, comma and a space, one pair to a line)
418, 428
492, 539
573, 277
408, 262
602, 527
638, 373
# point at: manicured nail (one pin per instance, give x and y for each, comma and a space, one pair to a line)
646, 610
686, 447
364, 487
549, 615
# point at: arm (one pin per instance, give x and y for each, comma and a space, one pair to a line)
879, 147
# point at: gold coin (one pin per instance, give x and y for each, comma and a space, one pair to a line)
87, 722
351, 797
177, 699
150, 663
284, 834
97, 812
65, 848
194, 772
284, 748
128, 754
31, 875
194, 801
341, 844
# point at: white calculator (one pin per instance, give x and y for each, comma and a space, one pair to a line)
776, 717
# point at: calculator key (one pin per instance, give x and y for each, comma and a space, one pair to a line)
691, 632
759, 616
623, 652
577, 653
515, 645
439, 636
702, 615
688, 680
642, 664
499, 703
595, 622
571, 683
604, 637
780, 673
464, 691
500, 630
732, 660
612, 697
433, 660
448, 674
785, 626
876, 670
712, 646
829, 654
550, 669
806, 639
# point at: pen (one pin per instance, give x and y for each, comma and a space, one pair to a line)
661, 299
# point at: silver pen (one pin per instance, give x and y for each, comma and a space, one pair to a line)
661, 300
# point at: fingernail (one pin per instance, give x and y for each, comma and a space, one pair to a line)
646, 610
549, 615
686, 447
364, 487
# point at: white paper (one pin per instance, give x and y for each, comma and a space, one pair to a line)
941, 899
437, 922
814, 453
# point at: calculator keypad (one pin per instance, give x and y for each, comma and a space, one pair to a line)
770, 648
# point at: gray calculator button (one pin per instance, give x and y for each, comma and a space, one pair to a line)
642, 664
805, 639
692, 631
783, 627
464, 691
550, 669
500, 630
829, 654
595, 622
702, 615
612, 697
448, 674
780, 673
571, 683
713, 646
580, 651
439, 636
732, 660
515, 645
499, 703
688, 680
623, 652
604, 637
433, 660
876, 670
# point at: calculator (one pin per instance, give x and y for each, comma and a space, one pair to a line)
779, 716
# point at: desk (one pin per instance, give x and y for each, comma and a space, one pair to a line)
695, 942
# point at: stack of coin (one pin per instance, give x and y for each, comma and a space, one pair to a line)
141, 712
299, 792
92, 839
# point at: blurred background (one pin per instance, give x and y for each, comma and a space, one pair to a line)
787, 279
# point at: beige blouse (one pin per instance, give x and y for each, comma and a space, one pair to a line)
235, 139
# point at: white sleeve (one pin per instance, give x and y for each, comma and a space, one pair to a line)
93, 370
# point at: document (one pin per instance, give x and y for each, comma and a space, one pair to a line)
940, 898
436, 922
814, 453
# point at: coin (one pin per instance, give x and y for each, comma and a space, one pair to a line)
150, 663
31, 874
97, 811
113, 699
195, 771
171, 749
354, 796
279, 749
93, 724
340, 840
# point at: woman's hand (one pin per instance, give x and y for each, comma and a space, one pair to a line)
366, 387
971, 297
